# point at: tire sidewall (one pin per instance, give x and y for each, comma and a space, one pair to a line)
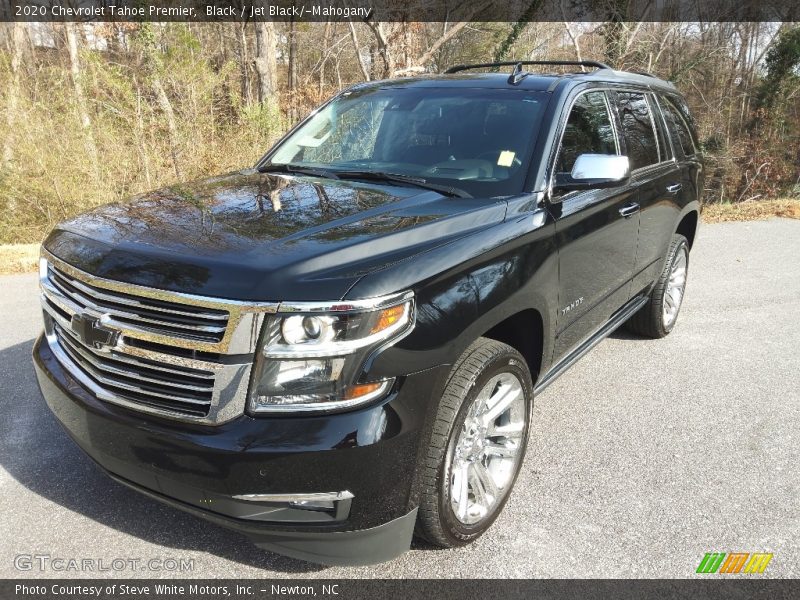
508, 362
681, 245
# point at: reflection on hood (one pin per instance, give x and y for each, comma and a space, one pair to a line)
252, 235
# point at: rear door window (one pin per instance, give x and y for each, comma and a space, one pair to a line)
664, 143
638, 129
678, 127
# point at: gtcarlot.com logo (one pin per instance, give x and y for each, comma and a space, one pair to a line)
47, 562
734, 562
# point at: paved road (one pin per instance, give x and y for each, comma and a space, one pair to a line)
644, 456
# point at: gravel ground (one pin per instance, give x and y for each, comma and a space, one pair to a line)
643, 457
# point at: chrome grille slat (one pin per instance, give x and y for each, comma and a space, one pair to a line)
181, 319
116, 383
87, 303
149, 359
99, 363
50, 305
175, 327
124, 299
162, 367
55, 297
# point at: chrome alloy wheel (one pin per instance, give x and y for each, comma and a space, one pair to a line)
487, 450
673, 295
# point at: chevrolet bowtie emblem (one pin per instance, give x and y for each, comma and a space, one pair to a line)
92, 334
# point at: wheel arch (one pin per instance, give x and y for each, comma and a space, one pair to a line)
688, 224
523, 331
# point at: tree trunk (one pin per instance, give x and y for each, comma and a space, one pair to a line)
80, 96
292, 83
166, 107
265, 61
505, 46
613, 31
16, 40
382, 50
575, 43
414, 59
244, 65
153, 68
357, 49
426, 56
140, 136
326, 43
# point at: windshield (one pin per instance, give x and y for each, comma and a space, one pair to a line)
476, 140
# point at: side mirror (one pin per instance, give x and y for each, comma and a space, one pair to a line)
595, 171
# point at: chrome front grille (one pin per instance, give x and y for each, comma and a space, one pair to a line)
176, 355
184, 391
145, 314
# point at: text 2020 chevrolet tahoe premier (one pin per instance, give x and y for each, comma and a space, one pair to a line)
340, 348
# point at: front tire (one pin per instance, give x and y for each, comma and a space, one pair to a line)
658, 317
477, 446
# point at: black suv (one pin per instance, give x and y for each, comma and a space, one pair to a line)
340, 348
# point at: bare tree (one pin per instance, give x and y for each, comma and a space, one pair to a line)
244, 64
575, 37
153, 67
449, 34
327, 37
80, 96
266, 60
382, 50
357, 48
399, 40
292, 81
16, 40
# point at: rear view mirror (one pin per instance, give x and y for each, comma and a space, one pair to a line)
596, 171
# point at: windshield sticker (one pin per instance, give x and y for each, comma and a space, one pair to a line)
506, 158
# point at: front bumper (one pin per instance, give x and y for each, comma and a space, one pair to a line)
371, 453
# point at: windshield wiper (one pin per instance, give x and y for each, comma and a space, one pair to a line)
367, 175
297, 169
403, 180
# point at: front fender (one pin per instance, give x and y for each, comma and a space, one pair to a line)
466, 288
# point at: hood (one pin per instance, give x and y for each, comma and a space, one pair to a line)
265, 237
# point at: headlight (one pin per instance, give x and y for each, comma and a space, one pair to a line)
312, 355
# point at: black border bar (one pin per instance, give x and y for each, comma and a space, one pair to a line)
407, 589
399, 10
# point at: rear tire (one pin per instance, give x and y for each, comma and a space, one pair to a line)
658, 317
477, 445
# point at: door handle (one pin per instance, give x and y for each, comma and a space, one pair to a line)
629, 210
674, 188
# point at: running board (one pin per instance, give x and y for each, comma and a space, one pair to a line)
570, 359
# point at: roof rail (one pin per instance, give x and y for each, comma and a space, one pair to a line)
518, 65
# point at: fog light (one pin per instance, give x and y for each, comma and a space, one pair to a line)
313, 504
335, 504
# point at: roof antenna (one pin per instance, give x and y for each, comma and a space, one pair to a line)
517, 74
